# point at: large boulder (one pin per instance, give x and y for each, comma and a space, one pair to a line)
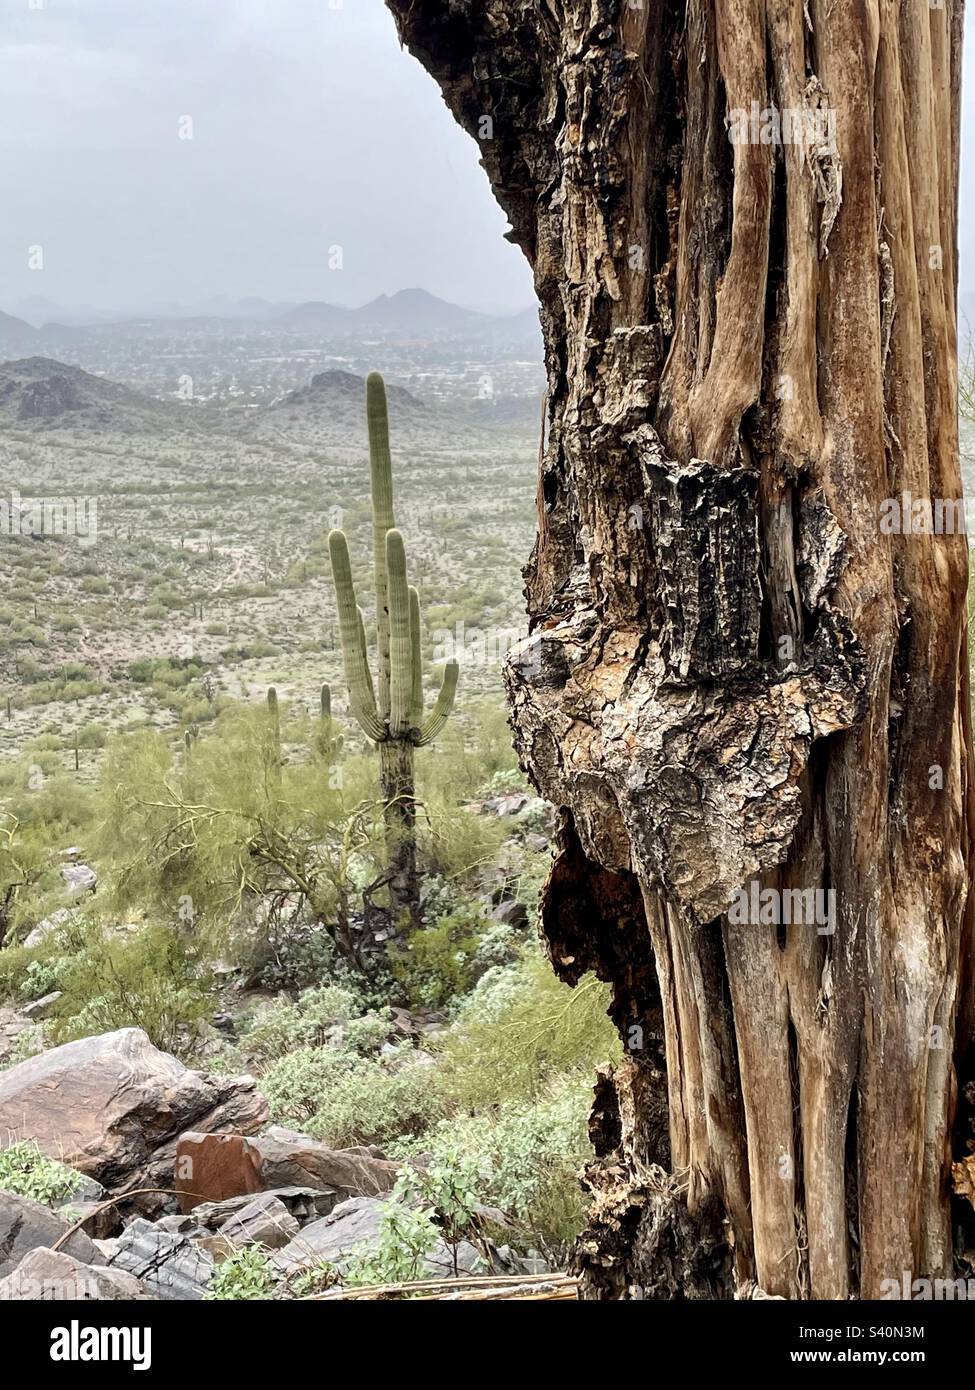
114, 1106
294, 1160
54, 1275
26, 1225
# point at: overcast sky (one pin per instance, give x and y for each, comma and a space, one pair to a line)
311, 129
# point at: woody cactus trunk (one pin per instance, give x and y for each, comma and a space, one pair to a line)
390, 713
735, 675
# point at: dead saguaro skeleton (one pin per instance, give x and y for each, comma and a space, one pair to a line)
733, 674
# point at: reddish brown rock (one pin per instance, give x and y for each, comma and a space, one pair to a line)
114, 1106
213, 1167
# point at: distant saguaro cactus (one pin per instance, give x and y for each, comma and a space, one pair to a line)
389, 712
326, 738
274, 714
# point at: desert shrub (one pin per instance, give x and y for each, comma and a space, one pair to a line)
42, 808
519, 1030
278, 1028
375, 1103
426, 1209
297, 1083
232, 836
527, 1157
453, 841
438, 963
24, 1170
39, 978
247, 1274
152, 979
345, 1099
28, 1043
406, 1238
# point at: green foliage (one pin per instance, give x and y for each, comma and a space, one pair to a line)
520, 1030
247, 1274
439, 963
448, 1188
152, 978
346, 1099
426, 1209
43, 808
407, 1236
39, 978
301, 1080
237, 835
527, 1157
281, 1027
24, 1170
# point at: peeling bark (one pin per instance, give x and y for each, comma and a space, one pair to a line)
734, 677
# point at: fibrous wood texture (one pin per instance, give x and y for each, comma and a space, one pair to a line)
735, 676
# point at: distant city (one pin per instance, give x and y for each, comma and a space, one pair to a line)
252, 351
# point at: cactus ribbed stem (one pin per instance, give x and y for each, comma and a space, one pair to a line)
441, 710
416, 694
391, 712
400, 641
381, 481
352, 630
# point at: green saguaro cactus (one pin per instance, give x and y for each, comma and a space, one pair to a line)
274, 720
390, 710
328, 745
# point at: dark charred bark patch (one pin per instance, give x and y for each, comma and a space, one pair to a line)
702, 529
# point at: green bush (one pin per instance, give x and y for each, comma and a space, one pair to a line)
247, 1274
520, 1030
527, 1156
151, 979
278, 1029
345, 1099
27, 1172
438, 963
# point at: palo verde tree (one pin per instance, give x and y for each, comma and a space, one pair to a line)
741, 219
389, 713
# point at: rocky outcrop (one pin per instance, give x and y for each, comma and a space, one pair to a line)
26, 1225
169, 1265
54, 1275
354, 1227
289, 1159
265, 1221
114, 1107
305, 1204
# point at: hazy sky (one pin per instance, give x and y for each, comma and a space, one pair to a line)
310, 129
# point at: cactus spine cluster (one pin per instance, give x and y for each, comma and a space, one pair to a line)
392, 708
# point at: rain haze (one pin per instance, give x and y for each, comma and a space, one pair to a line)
308, 128
311, 129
